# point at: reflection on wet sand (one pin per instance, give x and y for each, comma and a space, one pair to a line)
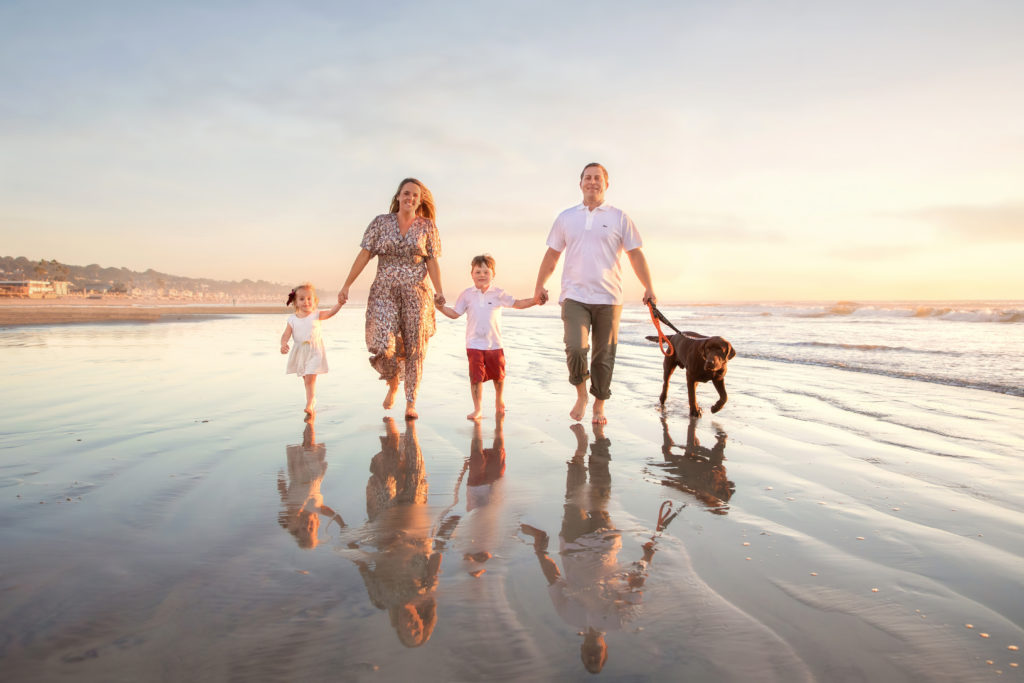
399, 550
483, 497
596, 594
302, 504
698, 470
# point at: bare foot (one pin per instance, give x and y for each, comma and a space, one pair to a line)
410, 411
580, 409
499, 410
475, 416
310, 407
599, 417
389, 400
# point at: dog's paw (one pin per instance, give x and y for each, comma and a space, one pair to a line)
696, 412
718, 406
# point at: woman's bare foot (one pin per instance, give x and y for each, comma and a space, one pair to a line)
475, 415
580, 409
410, 411
389, 400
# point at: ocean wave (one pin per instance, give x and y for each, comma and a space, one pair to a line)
994, 386
980, 313
871, 347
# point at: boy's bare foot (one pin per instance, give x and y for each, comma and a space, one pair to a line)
499, 409
475, 416
580, 409
389, 400
410, 411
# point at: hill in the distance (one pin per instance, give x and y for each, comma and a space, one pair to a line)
96, 278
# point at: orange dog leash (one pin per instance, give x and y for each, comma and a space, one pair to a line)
663, 342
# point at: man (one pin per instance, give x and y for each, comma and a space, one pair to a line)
593, 236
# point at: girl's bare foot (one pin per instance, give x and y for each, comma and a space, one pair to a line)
310, 407
475, 415
580, 409
389, 400
410, 411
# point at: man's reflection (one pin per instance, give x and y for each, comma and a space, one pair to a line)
483, 495
596, 594
302, 504
698, 470
399, 560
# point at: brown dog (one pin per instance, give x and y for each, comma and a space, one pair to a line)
705, 360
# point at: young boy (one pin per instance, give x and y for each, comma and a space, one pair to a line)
483, 303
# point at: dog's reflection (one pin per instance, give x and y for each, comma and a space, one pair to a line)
302, 504
399, 552
596, 594
483, 497
697, 470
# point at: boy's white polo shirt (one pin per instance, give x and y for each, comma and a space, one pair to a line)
593, 242
483, 319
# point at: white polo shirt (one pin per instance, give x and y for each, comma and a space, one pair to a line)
593, 242
483, 319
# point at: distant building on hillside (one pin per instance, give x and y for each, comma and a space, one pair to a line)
33, 289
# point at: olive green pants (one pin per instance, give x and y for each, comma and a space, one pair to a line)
586, 325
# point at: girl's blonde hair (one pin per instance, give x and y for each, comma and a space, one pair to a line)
426, 208
305, 285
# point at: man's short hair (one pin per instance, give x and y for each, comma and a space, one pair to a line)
483, 260
604, 171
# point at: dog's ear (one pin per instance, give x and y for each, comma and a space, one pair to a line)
732, 351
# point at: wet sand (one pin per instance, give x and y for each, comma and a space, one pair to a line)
166, 514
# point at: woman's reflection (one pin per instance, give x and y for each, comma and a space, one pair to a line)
483, 496
399, 559
698, 470
596, 593
302, 504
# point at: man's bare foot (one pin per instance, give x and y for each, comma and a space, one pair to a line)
580, 409
389, 400
475, 415
410, 411
599, 417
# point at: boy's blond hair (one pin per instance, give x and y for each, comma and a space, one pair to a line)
483, 260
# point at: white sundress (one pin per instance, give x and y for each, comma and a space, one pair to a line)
308, 356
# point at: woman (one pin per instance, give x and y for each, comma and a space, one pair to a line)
399, 310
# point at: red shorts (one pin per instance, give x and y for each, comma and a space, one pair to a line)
486, 365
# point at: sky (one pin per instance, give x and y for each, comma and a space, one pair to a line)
765, 150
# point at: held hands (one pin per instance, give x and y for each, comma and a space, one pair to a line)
439, 299
343, 296
540, 296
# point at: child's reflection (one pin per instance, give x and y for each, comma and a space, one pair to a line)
596, 594
399, 561
302, 504
483, 495
698, 470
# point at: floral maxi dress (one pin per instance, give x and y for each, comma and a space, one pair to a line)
400, 308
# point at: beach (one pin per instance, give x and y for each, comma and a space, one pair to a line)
853, 513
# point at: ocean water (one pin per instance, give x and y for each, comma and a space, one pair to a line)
856, 511
977, 344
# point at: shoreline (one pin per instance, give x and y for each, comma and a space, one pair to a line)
24, 312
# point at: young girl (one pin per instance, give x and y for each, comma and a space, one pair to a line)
308, 358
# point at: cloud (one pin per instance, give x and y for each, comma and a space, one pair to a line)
999, 223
